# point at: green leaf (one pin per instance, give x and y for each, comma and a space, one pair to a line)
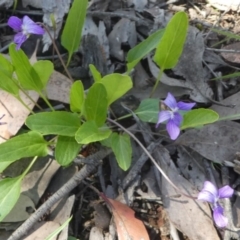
232, 75
199, 117
58, 230
171, 45
89, 132
107, 142
72, 31
95, 73
27, 77
10, 192
25, 145
66, 150
58, 122
121, 146
142, 49
116, 85
7, 84
96, 104
44, 70
76, 96
148, 110
6, 66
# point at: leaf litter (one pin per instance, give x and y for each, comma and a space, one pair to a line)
183, 160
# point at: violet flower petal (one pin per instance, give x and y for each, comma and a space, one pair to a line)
15, 23
225, 192
31, 27
218, 217
209, 193
163, 116
206, 196
19, 39
173, 129
185, 106
170, 101
209, 187
177, 118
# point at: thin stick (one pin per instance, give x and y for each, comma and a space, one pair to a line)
94, 159
58, 53
150, 156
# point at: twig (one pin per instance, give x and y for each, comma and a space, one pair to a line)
151, 158
223, 50
93, 160
138, 165
57, 51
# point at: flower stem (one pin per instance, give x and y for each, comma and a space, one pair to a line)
58, 53
150, 156
46, 101
157, 82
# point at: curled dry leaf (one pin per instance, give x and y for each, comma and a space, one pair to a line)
128, 227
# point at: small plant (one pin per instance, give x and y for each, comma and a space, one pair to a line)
88, 122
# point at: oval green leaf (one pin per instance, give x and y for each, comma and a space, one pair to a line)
142, 49
76, 96
148, 110
6, 66
10, 192
116, 85
7, 84
199, 117
44, 70
66, 150
96, 104
25, 145
89, 132
121, 146
59, 123
72, 31
95, 73
26, 75
171, 45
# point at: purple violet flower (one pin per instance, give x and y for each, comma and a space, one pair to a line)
24, 28
211, 194
172, 115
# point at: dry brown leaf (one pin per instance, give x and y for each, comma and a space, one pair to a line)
15, 113
42, 231
217, 142
231, 56
128, 227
